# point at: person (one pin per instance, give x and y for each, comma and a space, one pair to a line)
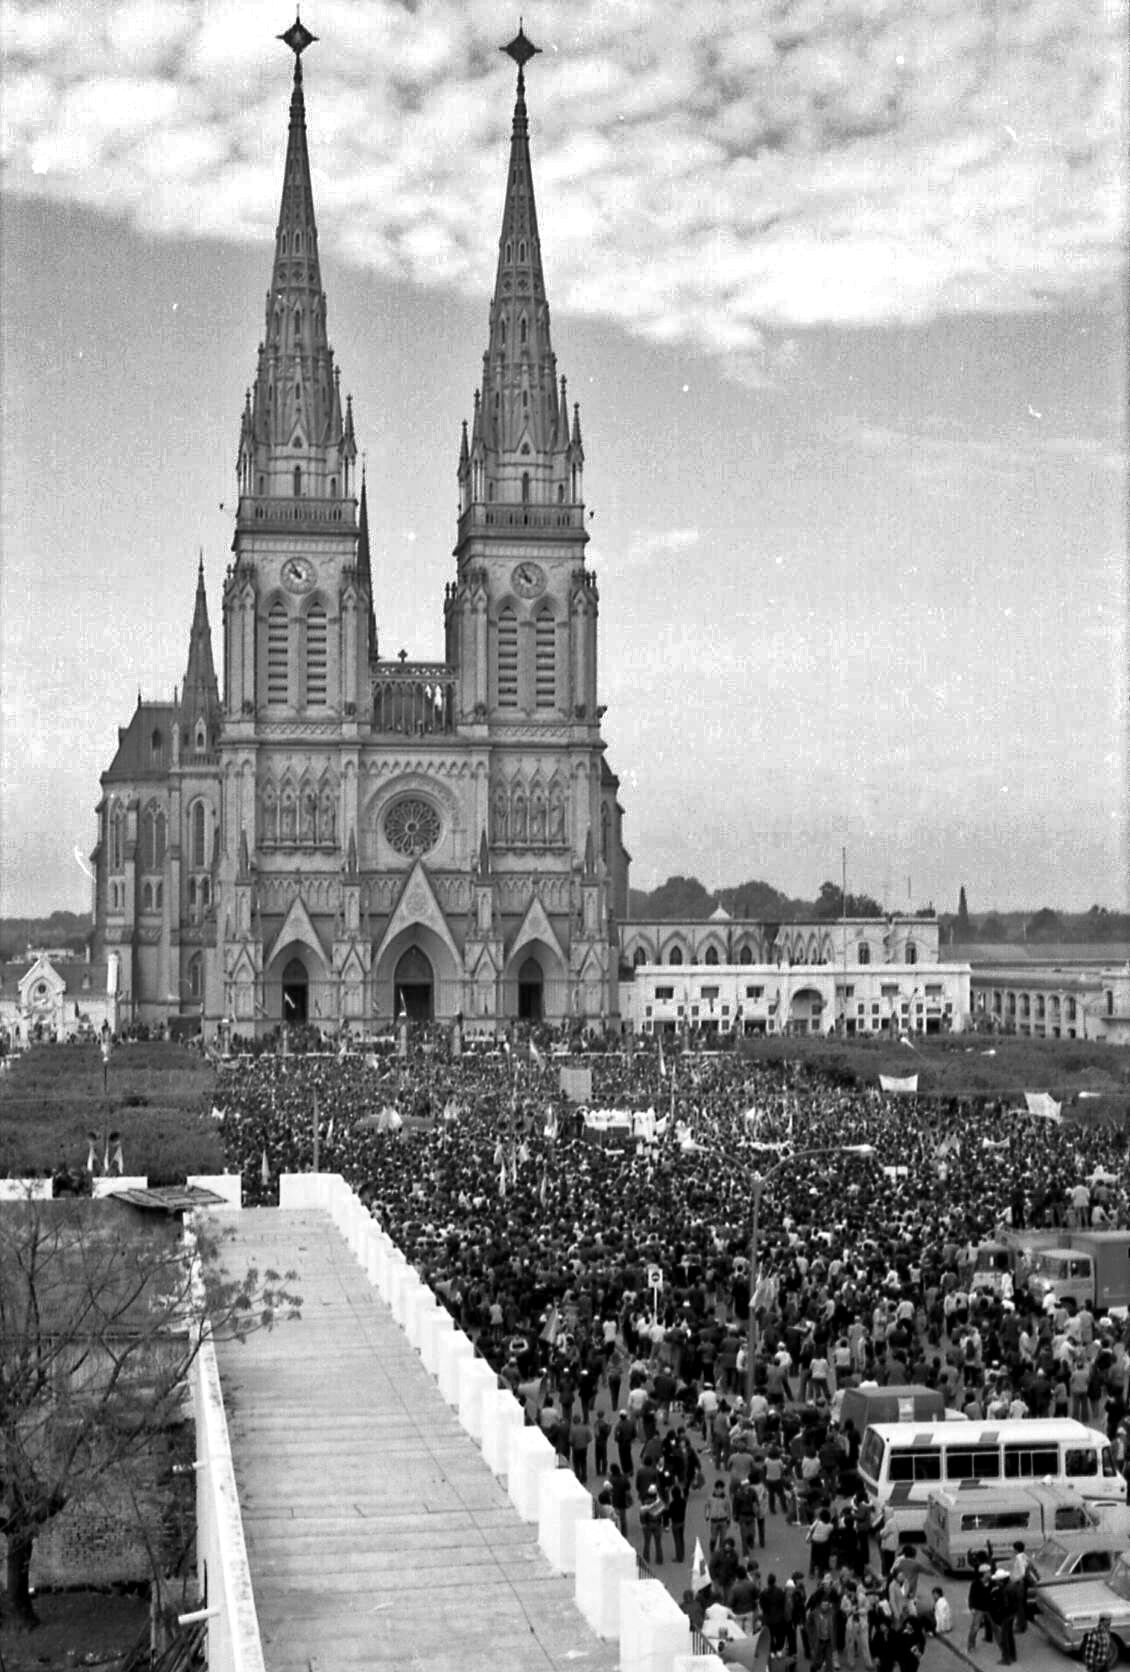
677, 1517
888, 1541
1002, 1614
980, 1617
621, 1495
1019, 1579
855, 1606
717, 1512
744, 1595
652, 1512
1096, 1645
822, 1632
943, 1613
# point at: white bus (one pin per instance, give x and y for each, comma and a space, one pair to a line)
901, 1463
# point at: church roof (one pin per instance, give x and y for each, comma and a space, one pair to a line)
145, 745
720, 915
78, 976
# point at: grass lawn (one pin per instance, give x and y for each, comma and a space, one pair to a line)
970, 1065
158, 1097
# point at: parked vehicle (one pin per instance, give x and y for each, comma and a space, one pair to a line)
901, 1463
962, 1525
903, 1402
1083, 1555
1089, 1268
1067, 1612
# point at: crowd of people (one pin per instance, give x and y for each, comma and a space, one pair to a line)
609, 1284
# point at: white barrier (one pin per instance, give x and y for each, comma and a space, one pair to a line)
501, 1418
110, 1185
696, 1663
531, 1456
227, 1185
476, 1379
234, 1644
25, 1190
435, 1326
452, 1348
653, 1628
604, 1560
562, 1503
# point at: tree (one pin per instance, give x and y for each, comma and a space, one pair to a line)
101, 1321
829, 903
962, 927
1044, 926
993, 928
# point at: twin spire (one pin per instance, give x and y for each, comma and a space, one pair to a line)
522, 447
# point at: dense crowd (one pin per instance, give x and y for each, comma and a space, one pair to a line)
542, 1242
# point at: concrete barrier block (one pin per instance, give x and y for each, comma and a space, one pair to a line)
562, 1503
421, 1302
531, 1456
653, 1628
605, 1560
476, 1379
696, 1663
452, 1348
111, 1186
501, 1418
25, 1190
436, 1326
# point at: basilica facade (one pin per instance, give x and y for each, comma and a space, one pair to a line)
335, 837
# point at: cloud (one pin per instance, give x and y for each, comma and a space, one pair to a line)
650, 546
703, 179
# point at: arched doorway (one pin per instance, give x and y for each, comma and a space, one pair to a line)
414, 985
530, 985
295, 992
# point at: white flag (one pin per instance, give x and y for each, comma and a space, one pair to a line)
1043, 1105
700, 1576
890, 1082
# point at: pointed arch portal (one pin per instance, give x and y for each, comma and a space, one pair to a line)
295, 992
414, 985
530, 991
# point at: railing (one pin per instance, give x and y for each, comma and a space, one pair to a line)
270, 511
414, 699
516, 519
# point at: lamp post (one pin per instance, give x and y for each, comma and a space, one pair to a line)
760, 1180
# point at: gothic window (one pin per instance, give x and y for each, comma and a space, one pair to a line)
522, 329
560, 493
412, 826
509, 250
333, 487
711, 955
277, 653
196, 975
205, 891
525, 487
545, 669
192, 893
201, 739
502, 332
640, 957
158, 895
196, 842
298, 243
298, 481
745, 956
117, 839
507, 659
316, 653
155, 746
676, 956
154, 849
522, 253
288, 824
147, 897
863, 953
911, 953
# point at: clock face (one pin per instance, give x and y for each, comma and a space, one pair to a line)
297, 574
528, 580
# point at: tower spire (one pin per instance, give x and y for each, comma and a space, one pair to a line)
200, 693
523, 434
294, 442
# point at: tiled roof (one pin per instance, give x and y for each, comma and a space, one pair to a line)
135, 756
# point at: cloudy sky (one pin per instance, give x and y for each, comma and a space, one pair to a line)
839, 285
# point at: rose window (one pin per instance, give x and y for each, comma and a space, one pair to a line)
412, 826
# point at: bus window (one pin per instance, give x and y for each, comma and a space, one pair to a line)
1108, 1463
871, 1454
1081, 1460
973, 1463
1071, 1518
1025, 1462
914, 1465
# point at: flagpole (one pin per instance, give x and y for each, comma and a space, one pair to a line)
315, 1117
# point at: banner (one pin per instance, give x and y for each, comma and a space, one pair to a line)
890, 1082
576, 1084
1044, 1106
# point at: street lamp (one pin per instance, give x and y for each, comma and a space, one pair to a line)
760, 1180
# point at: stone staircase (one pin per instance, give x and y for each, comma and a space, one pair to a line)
376, 1534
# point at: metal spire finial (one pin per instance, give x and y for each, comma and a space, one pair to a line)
297, 37
521, 49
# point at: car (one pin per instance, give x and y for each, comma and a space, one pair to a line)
1067, 1612
1083, 1555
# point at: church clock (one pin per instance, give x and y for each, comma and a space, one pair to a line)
528, 579
297, 574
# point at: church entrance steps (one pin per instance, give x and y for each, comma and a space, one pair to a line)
376, 1534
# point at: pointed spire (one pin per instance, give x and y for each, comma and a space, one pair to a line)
200, 695
295, 440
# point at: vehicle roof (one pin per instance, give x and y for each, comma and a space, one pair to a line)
981, 1493
1018, 1428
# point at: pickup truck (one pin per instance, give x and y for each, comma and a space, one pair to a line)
1067, 1612
1089, 1268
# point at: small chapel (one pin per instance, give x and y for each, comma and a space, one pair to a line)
340, 838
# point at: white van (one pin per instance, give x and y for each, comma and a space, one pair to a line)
901, 1463
961, 1526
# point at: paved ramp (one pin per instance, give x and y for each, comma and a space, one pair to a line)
377, 1536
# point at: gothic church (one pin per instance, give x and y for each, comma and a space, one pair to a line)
340, 838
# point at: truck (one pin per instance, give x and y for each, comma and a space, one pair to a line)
1000, 1264
1084, 1268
